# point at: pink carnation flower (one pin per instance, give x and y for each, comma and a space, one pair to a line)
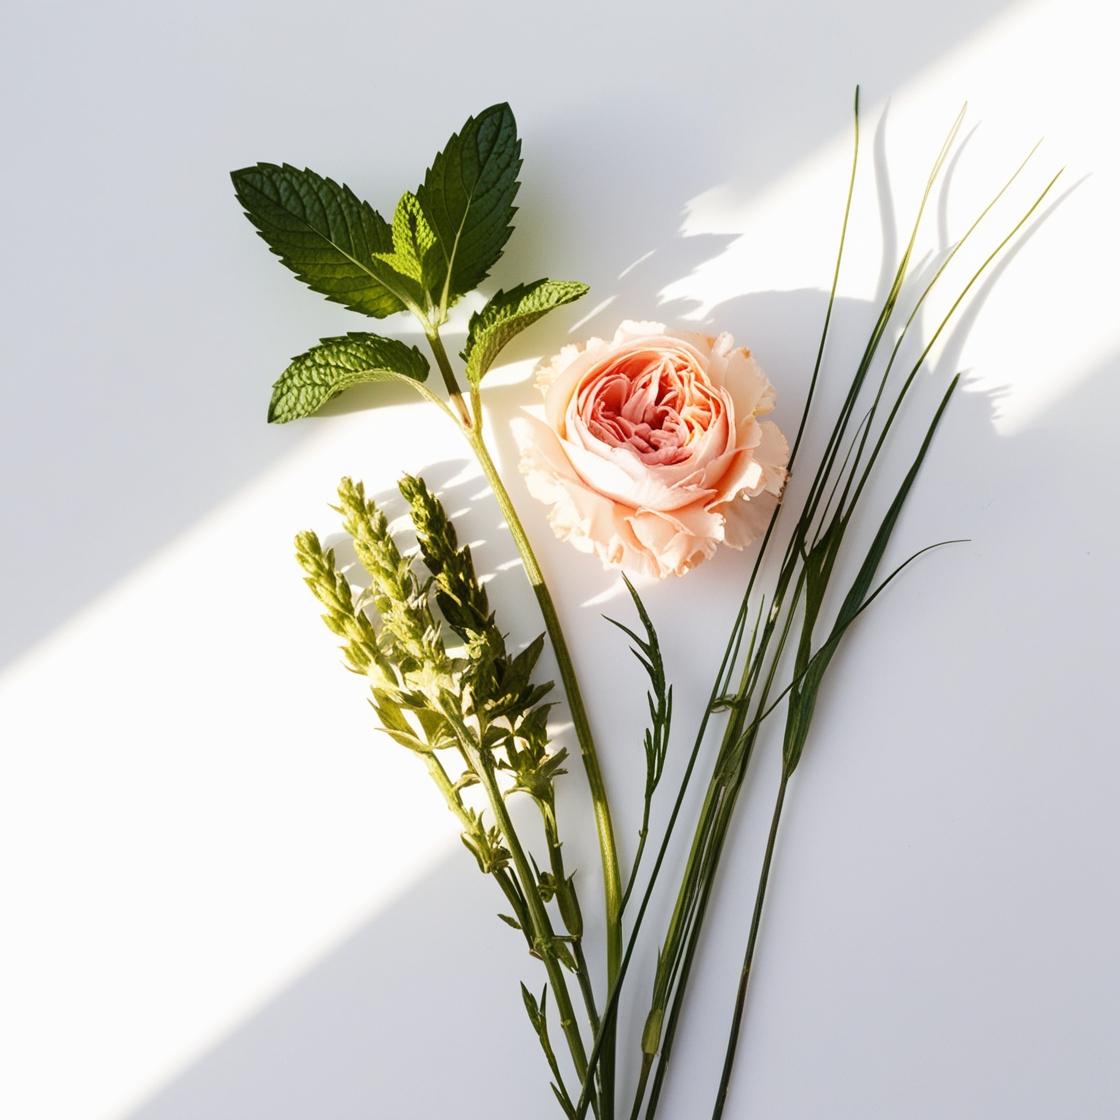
651, 452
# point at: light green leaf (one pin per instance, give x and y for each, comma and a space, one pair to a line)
468, 195
508, 314
413, 271
322, 231
337, 364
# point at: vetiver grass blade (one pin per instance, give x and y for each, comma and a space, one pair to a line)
812, 667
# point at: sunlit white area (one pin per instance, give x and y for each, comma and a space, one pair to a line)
226, 896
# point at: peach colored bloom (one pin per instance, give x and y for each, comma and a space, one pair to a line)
651, 452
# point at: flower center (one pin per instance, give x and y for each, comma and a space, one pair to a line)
654, 403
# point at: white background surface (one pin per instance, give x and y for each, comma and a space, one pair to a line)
224, 897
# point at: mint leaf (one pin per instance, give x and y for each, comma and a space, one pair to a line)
508, 314
337, 364
322, 231
468, 197
414, 269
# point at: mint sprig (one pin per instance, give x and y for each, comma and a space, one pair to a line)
443, 241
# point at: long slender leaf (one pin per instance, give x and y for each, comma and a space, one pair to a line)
804, 697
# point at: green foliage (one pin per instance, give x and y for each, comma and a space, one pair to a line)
408, 625
659, 700
468, 194
497, 688
361, 647
414, 269
340, 363
322, 231
485, 844
809, 668
426, 699
660, 697
462, 600
507, 314
482, 705
538, 1018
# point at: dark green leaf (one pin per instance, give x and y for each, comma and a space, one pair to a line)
468, 195
337, 364
322, 231
508, 314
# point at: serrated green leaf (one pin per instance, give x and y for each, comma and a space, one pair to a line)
336, 364
322, 231
414, 270
468, 195
412, 236
508, 314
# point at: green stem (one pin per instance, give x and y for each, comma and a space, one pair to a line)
684, 970
612, 882
583, 974
604, 826
640, 1091
643, 833
575, 697
448, 374
572, 919
712, 827
451, 795
748, 957
543, 934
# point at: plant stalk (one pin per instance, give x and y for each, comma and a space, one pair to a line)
448, 374
542, 928
612, 882
748, 956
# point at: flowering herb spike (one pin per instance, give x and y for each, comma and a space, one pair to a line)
444, 239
